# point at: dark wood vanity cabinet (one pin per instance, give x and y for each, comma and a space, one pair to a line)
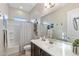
36, 51
32, 49
43, 53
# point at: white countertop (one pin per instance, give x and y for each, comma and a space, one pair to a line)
58, 48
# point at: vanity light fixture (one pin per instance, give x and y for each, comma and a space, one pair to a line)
49, 5
46, 5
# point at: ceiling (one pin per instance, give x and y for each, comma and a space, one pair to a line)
23, 6
37, 9
40, 10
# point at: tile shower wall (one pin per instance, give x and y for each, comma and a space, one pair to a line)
74, 34
11, 31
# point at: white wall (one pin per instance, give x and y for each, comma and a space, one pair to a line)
36, 12
13, 12
60, 17
74, 34
4, 8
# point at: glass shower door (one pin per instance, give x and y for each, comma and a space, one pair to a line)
3, 37
12, 38
8, 41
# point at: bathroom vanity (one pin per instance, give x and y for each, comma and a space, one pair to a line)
37, 51
57, 48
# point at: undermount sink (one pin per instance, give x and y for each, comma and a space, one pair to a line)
51, 41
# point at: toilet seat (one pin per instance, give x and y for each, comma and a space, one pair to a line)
27, 47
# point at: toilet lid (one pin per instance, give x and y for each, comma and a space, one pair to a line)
27, 47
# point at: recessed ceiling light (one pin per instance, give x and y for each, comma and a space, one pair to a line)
21, 7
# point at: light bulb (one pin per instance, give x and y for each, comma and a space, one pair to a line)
46, 5
49, 5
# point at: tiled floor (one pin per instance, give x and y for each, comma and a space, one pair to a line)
14, 52
27, 53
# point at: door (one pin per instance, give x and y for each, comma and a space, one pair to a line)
1, 37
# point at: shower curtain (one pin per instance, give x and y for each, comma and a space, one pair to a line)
19, 34
25, 33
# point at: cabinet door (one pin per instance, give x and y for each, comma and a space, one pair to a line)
32, 49
36, 50
43, 53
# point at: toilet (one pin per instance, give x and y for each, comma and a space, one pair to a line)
27, 47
